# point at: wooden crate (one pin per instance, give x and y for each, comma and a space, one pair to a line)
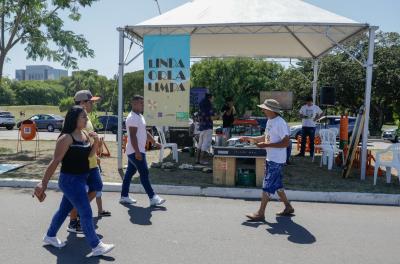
260, 171
224, 171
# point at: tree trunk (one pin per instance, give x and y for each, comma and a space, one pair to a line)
2, 60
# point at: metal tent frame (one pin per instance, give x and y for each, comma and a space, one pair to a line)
312, 40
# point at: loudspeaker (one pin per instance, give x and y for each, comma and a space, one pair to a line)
327, 95
181, 137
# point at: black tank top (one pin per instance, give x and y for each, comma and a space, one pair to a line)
76, 160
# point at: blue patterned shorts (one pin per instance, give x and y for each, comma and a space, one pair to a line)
273, 177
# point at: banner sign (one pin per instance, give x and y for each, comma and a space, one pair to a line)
167, 80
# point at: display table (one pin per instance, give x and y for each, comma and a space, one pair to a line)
225, 163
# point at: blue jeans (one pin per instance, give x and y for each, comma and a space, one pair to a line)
75, 195
94, 181
307, 131
135, 165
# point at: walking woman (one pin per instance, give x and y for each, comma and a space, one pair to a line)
73, 149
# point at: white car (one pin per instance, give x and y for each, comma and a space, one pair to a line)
7, 120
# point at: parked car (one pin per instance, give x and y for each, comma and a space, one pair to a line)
47, 121
110, 123
392, 134
324, 122
7, 120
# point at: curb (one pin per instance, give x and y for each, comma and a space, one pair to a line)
238, 193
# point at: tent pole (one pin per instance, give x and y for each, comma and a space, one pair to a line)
369, 69
315, 81
120, 91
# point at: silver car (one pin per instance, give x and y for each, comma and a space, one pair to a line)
392, 134
49, 122
324, 122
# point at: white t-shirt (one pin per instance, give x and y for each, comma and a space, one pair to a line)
310, 112
136, 120
275, 131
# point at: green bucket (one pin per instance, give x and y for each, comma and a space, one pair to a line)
246, 177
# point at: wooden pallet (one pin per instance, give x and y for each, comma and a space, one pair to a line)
355, 139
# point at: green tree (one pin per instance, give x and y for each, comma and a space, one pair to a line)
133, 85
66, 103
38, 93
38, 25
7, 95
240, 78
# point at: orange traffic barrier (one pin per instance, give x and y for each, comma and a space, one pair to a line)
317, 141
344, 131
357, 161
28, 132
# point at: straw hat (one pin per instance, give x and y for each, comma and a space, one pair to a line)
271, 105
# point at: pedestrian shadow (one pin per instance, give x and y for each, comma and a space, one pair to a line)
76, 251
142, 215
295, 232
285, 226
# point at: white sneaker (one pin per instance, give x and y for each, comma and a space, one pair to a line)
101, 249
127, 200
156, 200
53, 241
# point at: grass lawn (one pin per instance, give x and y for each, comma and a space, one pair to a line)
302, 175
31, 110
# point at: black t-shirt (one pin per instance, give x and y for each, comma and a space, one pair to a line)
227, 120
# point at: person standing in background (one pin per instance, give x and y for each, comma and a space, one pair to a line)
206, 116
228, 117
309, 113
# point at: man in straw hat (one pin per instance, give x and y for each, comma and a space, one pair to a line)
275, 141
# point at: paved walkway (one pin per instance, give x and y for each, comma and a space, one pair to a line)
204, 230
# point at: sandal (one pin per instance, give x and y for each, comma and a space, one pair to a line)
289, 211
256, 217
104, 213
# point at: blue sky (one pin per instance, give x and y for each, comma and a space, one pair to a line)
99, 22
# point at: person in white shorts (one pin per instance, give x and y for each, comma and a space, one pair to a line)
206, 115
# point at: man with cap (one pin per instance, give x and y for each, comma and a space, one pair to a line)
85, 99
275, 141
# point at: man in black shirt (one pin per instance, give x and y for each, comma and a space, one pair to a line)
228, 117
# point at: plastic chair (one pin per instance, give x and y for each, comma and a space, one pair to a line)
336, 150
164, 145
394, 163
328, 147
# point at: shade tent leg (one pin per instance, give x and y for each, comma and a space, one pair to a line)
369, 67
120, 99
315, 81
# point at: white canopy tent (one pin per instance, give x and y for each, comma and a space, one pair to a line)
255, 28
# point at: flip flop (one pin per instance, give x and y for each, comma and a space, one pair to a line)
105, 213
286, 212
255, 217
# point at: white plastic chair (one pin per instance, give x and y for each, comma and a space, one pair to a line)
337, 150
164, 145
328, 147
394, 163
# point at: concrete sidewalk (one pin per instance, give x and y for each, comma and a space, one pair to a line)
243, 193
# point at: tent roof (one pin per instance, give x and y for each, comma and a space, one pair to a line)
255, 28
